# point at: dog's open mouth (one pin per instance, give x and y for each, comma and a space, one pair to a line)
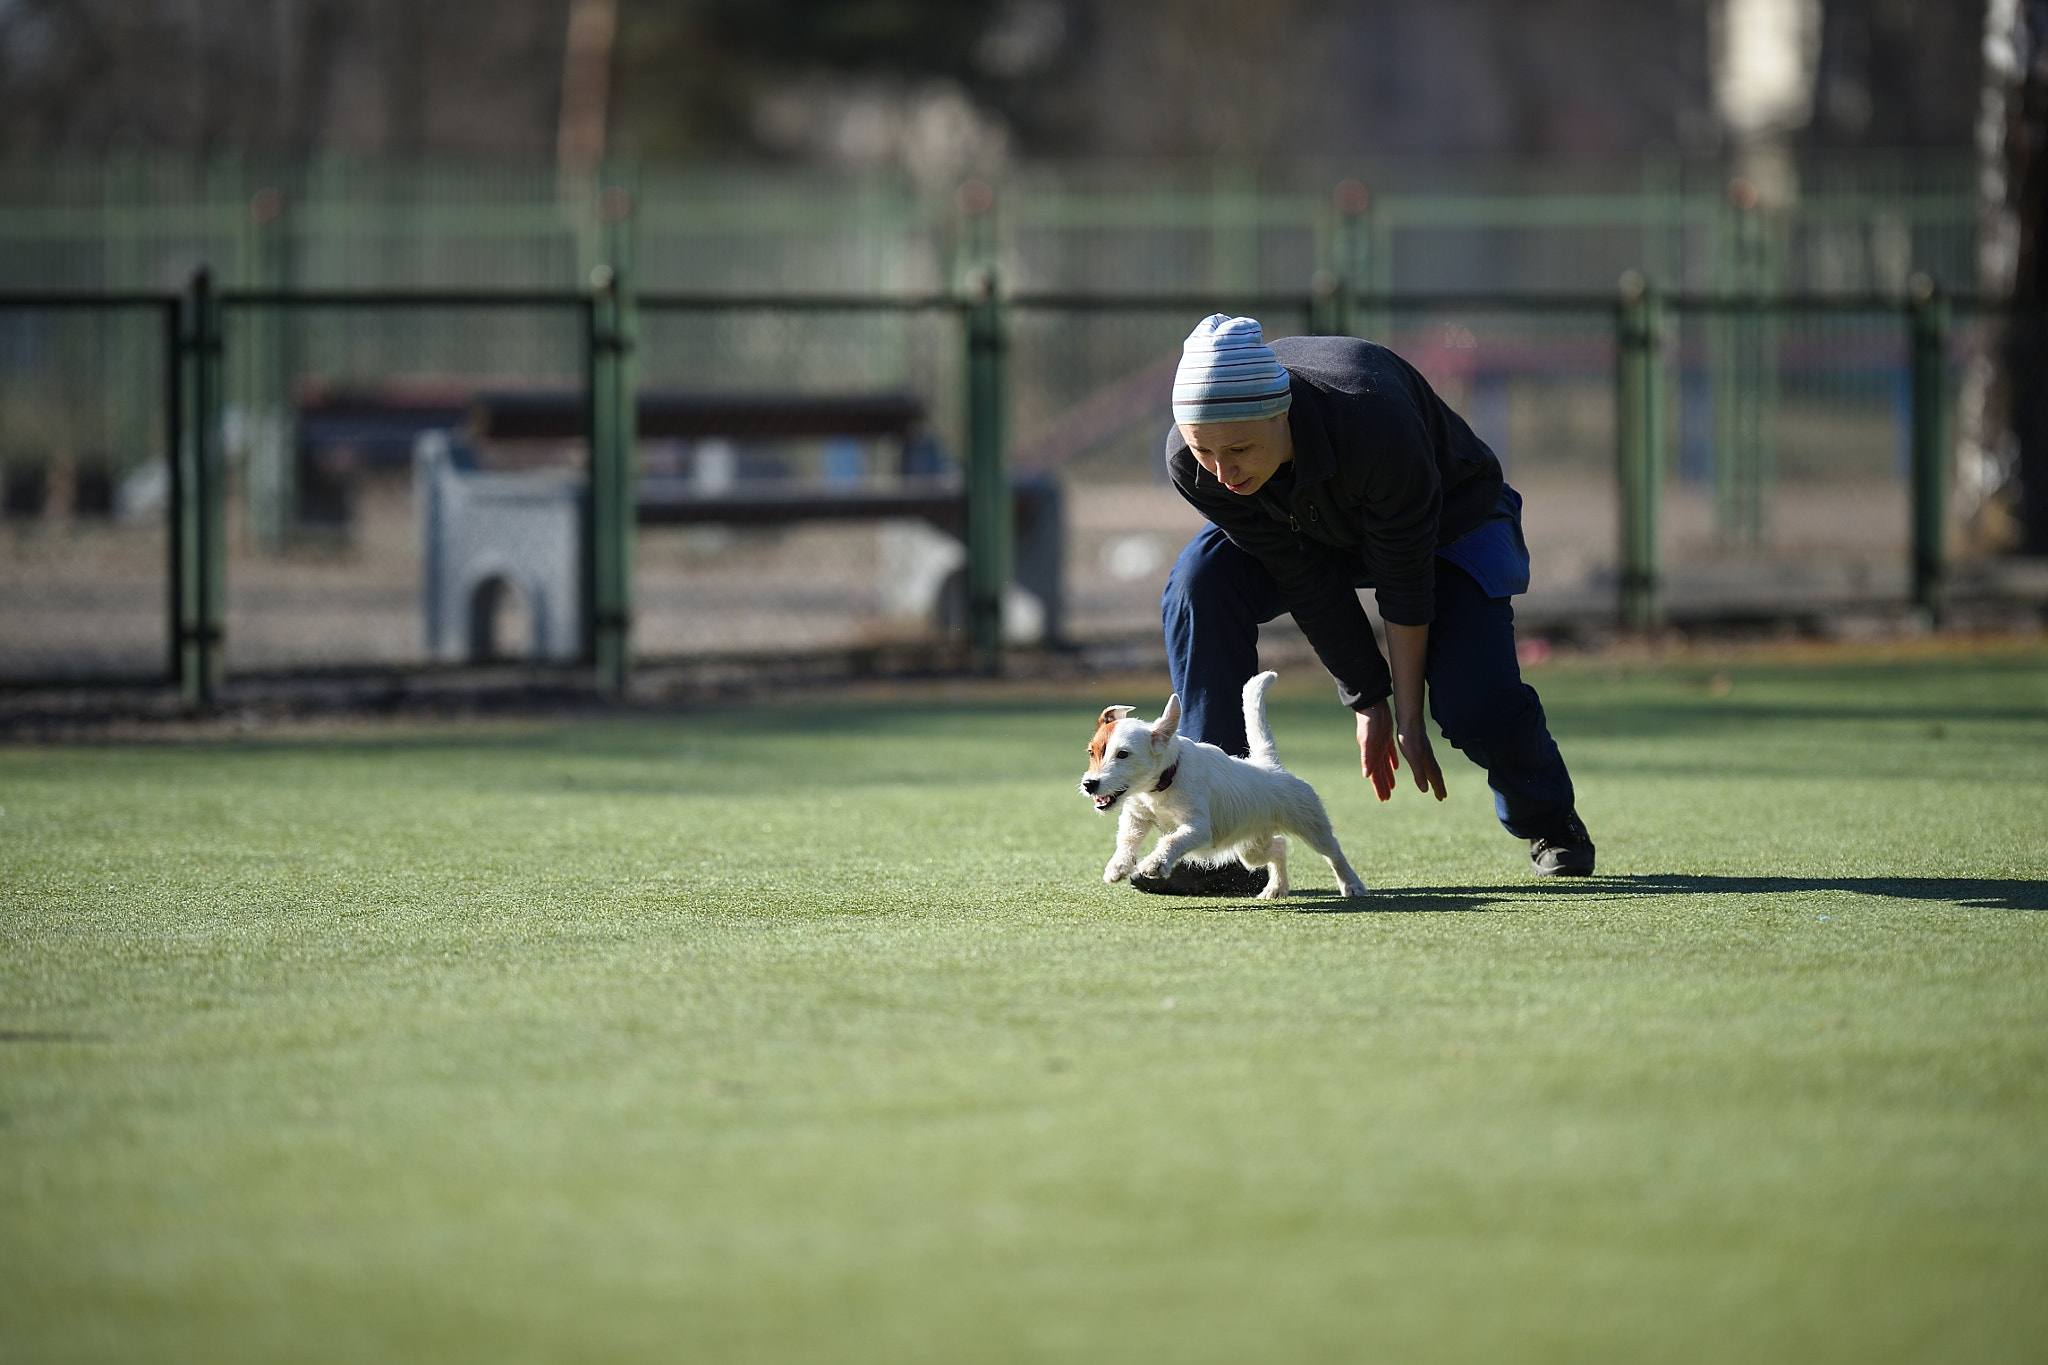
1108, 799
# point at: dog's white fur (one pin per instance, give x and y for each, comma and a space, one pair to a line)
1216, 806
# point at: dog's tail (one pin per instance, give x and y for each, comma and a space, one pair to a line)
1256, 730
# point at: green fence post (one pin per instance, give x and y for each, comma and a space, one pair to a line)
612, 510
1376, 270
1746, 378
1352, 199
1928, 319
202, 510
1639, 449
988, 483
625, 465
1325, 306
177, 576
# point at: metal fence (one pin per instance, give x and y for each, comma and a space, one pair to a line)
234, 481
1855, 225
90, 507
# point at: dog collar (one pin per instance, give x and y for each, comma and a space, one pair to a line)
1166, 778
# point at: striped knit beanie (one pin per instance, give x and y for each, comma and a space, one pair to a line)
1228, 374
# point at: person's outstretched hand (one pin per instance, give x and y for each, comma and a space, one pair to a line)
1381, 745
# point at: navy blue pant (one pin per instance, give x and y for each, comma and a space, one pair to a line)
1219, 595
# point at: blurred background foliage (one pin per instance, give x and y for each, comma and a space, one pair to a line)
820, 79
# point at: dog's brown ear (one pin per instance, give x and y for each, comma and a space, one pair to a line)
1112, 714
1168, 723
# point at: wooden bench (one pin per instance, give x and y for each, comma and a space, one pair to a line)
919, 490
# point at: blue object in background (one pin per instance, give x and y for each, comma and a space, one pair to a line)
844, 461
927, 458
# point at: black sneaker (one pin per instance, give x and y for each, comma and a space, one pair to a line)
1231, 879
1566, 852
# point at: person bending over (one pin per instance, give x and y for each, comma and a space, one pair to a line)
1326, 464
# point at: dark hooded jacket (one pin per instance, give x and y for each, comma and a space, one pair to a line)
1383, 475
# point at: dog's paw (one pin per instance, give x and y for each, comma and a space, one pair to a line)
1153, 867
1354, 890
1117, 870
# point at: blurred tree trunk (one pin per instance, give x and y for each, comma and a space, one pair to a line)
2005, 418
586, 81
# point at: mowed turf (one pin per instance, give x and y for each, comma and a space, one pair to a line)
809, 1033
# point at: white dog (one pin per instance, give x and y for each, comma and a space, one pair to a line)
1207, 805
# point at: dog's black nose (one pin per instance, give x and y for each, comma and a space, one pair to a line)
1089, 784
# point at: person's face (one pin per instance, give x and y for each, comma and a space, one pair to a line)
1241, 455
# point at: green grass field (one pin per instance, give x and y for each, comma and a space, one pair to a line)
809, 1033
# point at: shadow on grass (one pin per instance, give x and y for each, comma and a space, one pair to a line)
1976, 893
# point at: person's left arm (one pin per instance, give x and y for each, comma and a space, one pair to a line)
1385, 732
1396, 496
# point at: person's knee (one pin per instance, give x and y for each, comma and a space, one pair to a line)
1486, 716
1209, 575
